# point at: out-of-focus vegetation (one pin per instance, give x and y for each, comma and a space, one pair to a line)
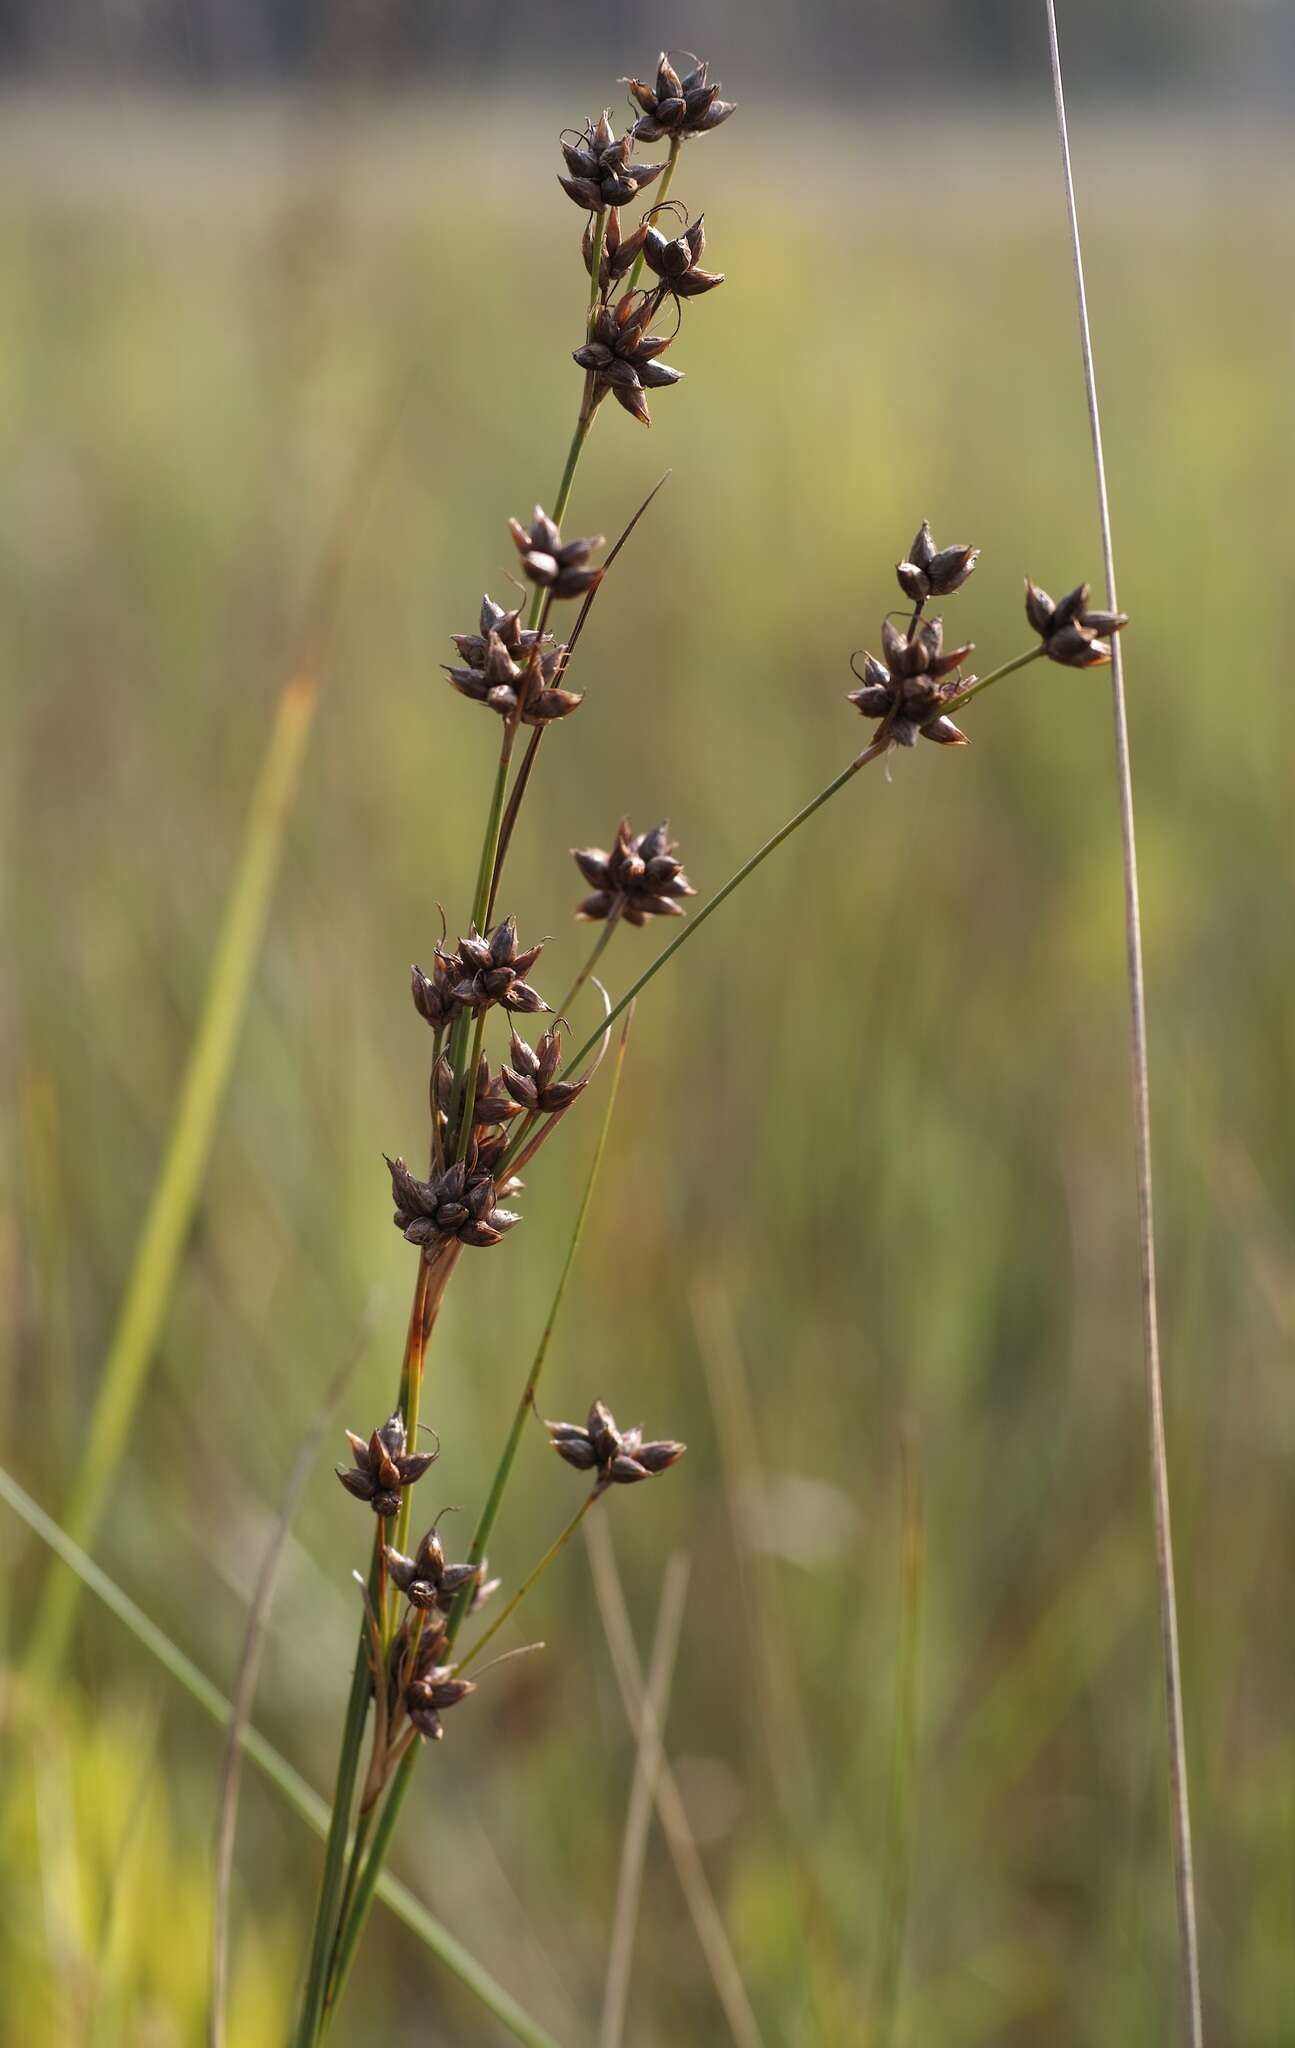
876, 1123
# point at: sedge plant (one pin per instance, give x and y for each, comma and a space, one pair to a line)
499, 1081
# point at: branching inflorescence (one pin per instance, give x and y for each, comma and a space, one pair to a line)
488, 1121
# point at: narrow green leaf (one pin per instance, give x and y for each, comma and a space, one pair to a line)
299, 1794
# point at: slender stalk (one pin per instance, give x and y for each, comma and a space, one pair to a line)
638, 1819
1180, 1804
995, 675
662, 194
735, 881
896, 1873
555, 1549
689, 1868
610, 923
300, 1795
526, 1400
188, 1147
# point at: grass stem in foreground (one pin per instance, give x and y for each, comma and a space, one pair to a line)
1180, 1803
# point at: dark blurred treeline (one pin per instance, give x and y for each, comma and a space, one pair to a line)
888, 47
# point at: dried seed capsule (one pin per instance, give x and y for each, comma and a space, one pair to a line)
678, 106
599, 170
427, 1698
678, 263
383, 1467
638, 879
1071, 633
620, 1458
434, 993
910, 689
491, 970
929, 571
531, 1079
511, 669
460, 1203
560, 566
621, 355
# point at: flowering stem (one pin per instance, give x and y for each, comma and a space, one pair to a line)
609, 926
555, 1548
663, 192
526, 1401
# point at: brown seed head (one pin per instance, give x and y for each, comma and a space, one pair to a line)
427, 1698
678, 105
622, 356
461, 1203
638, 879
911, 687
678, 262
599, 171
1071, 632
514, 671
434, 993
532, 1080
929, 571
492, 970
383, 1467
552, 564
619, 1457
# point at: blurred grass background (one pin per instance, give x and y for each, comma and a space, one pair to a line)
875, 1128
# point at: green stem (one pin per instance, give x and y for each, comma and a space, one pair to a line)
348, 1938
526, 1400
175, 1192
662, 194
558, 1544
748, 867
995, 676
604, 936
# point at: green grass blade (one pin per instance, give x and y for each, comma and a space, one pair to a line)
299, 1794
175, 1192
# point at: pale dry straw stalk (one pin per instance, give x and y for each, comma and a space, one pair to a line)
1185, 1887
